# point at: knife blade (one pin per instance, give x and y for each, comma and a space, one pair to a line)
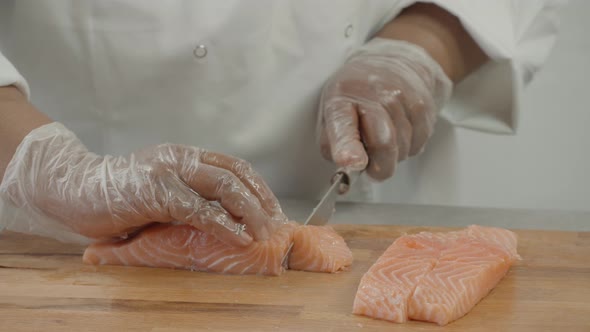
323, 211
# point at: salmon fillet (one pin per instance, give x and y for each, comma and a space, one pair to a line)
185, 247
435, 277
319, 249
385, 288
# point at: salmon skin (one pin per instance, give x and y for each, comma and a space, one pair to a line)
185, 247
435, 277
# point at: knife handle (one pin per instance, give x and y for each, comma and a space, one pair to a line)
347, 179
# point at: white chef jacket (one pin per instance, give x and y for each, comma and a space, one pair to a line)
244, 77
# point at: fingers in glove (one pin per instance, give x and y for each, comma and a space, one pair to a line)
403, 127
341, 123
221, 185
325, 144
214, 220
184, 205
422, 126
252, 180
379, 136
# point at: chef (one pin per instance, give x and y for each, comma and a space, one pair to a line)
116, 114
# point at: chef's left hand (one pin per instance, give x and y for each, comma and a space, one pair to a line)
381, 106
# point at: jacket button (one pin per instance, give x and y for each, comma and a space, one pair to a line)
200, 51
349, 30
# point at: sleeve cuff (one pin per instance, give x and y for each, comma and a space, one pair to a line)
9, 75
488, 100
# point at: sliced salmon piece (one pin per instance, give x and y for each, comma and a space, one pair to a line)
319, 249
441, 279
502, 238
467, 270
185, 247
384, 290
463, 275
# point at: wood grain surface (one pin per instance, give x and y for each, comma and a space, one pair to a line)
45, 287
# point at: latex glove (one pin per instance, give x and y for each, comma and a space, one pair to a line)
381, 106
56, 185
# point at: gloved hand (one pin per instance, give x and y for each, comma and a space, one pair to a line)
381, 106
57, 185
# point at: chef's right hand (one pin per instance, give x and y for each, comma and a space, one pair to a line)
55, 176
381, 106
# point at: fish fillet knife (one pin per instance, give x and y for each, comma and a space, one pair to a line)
341, 182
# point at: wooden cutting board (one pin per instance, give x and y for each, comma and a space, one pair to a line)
45, 287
